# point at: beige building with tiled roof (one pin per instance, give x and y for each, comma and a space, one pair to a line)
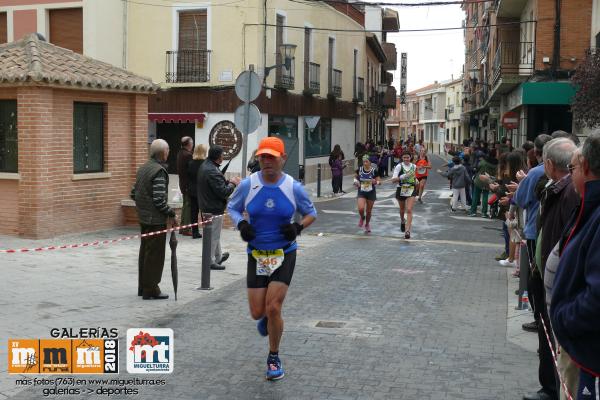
73, 131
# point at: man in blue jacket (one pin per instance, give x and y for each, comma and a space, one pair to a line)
575, 312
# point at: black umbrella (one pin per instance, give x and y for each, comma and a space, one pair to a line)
225, 167
174, 273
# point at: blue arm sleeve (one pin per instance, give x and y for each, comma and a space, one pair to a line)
303, 203
520, 197
524, 194
236, 206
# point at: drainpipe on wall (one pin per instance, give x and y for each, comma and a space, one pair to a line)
556, 53
125, 6
264, 42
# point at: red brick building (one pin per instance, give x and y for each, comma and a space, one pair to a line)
519, 58
73, 131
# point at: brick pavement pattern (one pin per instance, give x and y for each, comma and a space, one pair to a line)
421, 320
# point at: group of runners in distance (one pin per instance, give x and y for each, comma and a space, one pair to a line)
410, 178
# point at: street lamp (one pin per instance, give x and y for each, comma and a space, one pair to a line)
287, 54
473, 72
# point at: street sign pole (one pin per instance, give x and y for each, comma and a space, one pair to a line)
246, 127
247, 88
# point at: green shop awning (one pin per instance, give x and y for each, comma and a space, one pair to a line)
548, 93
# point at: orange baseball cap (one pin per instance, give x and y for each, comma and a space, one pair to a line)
271, 145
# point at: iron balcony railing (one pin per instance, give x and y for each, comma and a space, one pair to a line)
312, 78
335, 83
359, 90
513, 58
474, 59
284, 79
185, 66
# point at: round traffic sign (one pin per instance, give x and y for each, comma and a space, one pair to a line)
510, 120
247, 118
247, 86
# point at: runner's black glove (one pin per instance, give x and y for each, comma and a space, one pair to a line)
246, 231
290, 231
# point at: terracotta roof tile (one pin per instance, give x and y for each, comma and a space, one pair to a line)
424, 88
34, 60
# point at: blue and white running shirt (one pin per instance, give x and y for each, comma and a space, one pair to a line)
269, 206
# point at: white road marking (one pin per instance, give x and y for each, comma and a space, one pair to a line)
472, 218
339, 212
444, 194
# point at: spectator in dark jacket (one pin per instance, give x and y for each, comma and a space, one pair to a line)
459, 176
575, 311
481, 189
213, 191
336, 162
183, 158
192, 172
470, 173
150, 195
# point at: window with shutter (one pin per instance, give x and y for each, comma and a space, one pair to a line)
192, 54
9, 161
66, 28
3, 28
88, 137
192, 30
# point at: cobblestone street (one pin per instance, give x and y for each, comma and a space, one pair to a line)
425, 319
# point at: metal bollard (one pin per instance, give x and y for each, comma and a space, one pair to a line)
206, 260
523, 273
319, 180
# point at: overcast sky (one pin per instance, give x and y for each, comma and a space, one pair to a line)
431, 55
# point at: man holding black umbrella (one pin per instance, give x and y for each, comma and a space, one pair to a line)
213, 192
150, 195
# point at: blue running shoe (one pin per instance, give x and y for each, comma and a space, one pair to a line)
274, 368
261, 325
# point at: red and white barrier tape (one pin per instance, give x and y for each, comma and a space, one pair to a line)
109, 241
554, 358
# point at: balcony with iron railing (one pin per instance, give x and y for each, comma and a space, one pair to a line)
285, 78
187, 66
335, 83
312, 78
391, 55
389, 97
359, 90
514, 59
474, 59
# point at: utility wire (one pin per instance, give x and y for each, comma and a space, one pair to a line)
323, 2
389, 4
399, 31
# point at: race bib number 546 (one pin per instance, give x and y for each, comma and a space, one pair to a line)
267, 261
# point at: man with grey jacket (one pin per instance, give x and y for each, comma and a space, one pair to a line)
459, 177
150, 195
213, 192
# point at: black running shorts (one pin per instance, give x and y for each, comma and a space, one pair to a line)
371, 196
403, 198
282, 274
